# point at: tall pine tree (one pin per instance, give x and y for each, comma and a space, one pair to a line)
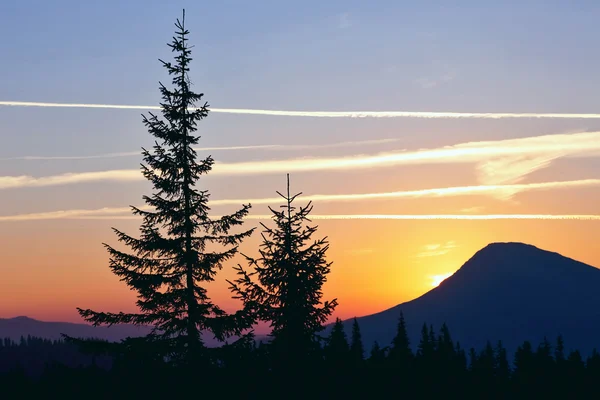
180, 247
357, 349
285, 287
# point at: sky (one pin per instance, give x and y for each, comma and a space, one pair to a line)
421, 132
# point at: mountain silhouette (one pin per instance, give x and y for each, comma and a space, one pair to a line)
14, 328
507, 291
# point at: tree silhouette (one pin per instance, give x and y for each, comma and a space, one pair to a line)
501, 365
285, 287
377, 356
357, 350
180, 246
400, 355
337, 350
425, 347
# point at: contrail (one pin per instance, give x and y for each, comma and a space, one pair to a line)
217, 148
450, 216
319, 114
132, 153
493, 190
394, 217
498, 162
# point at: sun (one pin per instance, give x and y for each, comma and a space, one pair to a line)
437, 279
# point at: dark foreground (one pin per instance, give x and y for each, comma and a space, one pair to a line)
439, 368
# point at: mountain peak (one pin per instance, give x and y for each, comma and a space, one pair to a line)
506, 291
517, 259
22, 318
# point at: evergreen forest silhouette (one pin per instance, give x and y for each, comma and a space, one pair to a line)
180, 248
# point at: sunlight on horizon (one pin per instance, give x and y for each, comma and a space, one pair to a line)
437, 279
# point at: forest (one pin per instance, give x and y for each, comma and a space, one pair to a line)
340, 367
180, 248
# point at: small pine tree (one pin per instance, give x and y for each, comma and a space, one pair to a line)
400, 354
445, 346
178, 248
357, 349
377, 356
424, 348
337, 350
502, 365
289, 276
559, 350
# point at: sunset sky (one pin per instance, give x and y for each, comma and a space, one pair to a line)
325, 83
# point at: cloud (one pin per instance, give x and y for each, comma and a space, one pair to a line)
429, 83
225, 148
436, 249
319, 114
436, 192
579, 217
497, 162
514, 158
127, 175
449, 217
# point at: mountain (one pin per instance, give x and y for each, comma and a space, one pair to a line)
14, 328
506, 291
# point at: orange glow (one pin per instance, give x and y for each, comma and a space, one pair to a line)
437, 279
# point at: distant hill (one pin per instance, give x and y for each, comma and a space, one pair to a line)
14, 328
508, 291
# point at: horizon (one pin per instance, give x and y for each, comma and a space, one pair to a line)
415, 158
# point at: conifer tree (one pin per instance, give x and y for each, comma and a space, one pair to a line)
377, 356
426, 346
357, 349
524, 368
180, 247
575, 375
285, 287
461, 358
559, 350
432, 339
502, 365
337, 350
400, 354
445, 346
544, 365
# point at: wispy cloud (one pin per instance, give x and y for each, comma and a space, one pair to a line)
497, 162
431, 82
127, 175
320, 114
450, 217
436, 249
436, 192
223, 148
579, 217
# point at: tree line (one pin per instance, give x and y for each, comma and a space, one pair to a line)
340, 366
